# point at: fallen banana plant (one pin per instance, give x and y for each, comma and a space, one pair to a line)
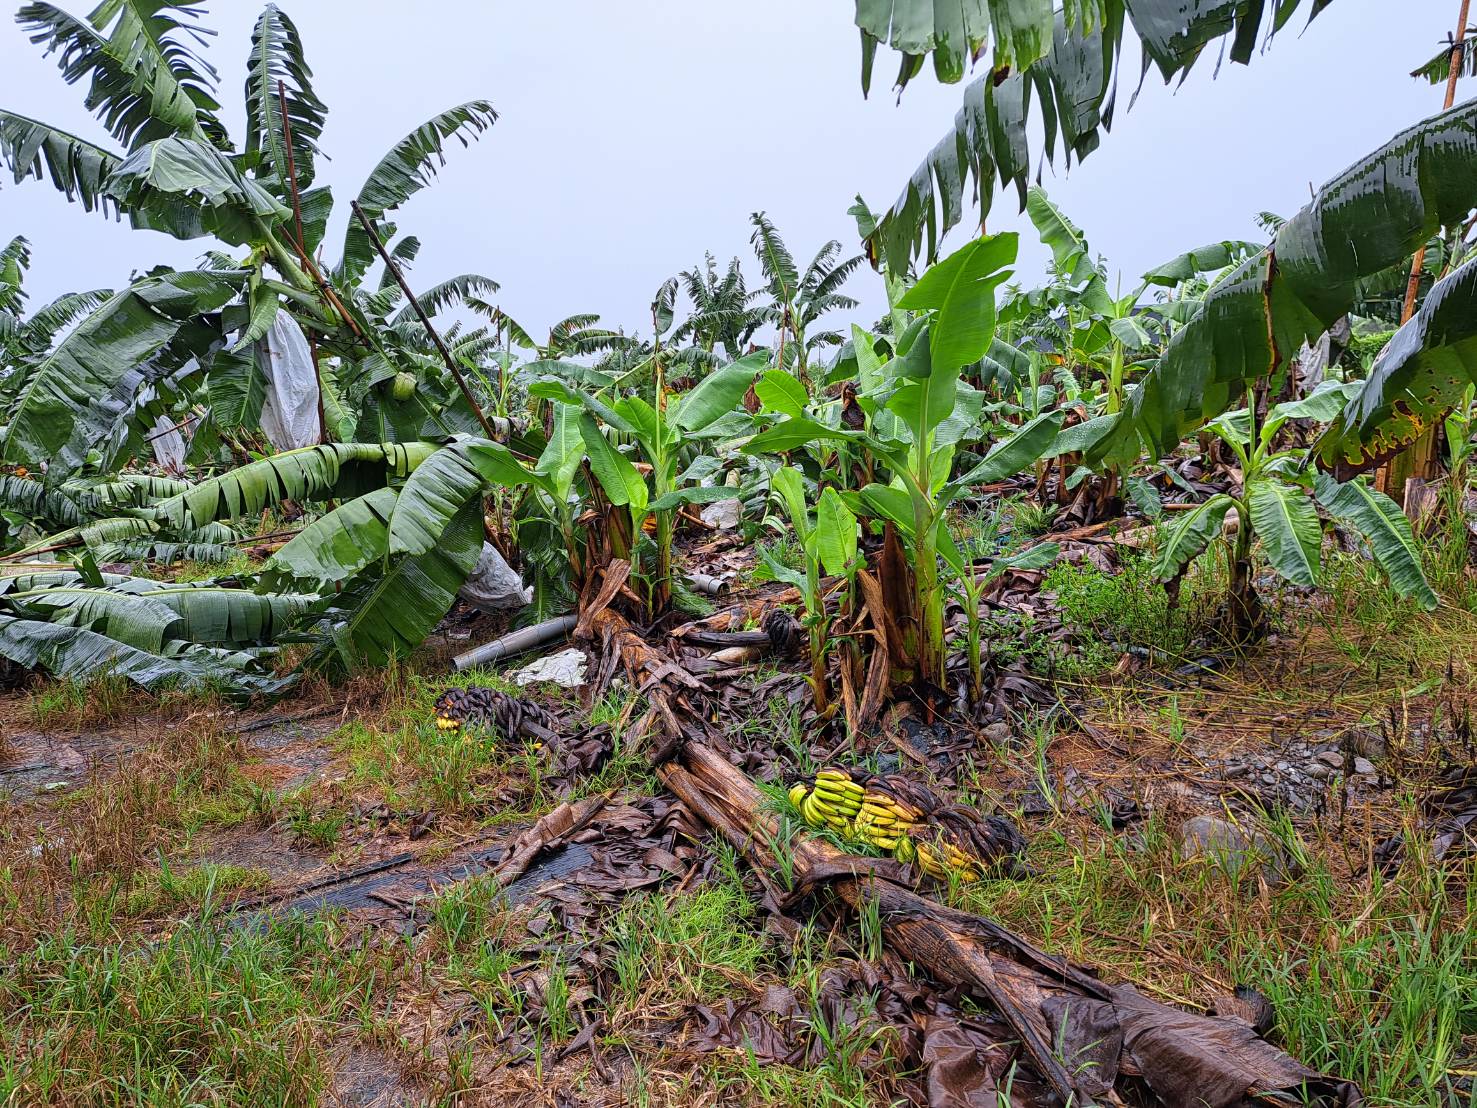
1091, 1042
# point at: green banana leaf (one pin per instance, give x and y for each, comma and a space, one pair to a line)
441, 486
79, 653
1380, 520
1066, 62
334, 547
385, 614
228, 205
1254, 320
134, 620
311, 473
718, 393
1421, 374
1190, 535
1287, 523
156, 321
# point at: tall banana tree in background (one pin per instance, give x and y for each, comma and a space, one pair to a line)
797, 300
1100, 332
723, 313
572, 337
176, 170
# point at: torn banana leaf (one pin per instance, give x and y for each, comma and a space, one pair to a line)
1418, 378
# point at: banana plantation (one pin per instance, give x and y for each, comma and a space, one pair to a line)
1056, 691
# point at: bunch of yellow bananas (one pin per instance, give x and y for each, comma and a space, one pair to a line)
884, 821
939, 858
832, 801
900, 816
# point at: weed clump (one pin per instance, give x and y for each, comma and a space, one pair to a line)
1127, 611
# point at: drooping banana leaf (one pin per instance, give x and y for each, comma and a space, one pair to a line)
234, 617
1065, 62
122, 490
177, 170
1203, 259
63, 577
129, 618
1417, 379
954, 32
387, 614
108, 533
1287, 523
79, 653
42, 506
443, 485
157, 320
1256, 318
1387, 530
1190, 535
165, 552
334, 547
311, 473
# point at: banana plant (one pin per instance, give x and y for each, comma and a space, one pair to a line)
920, 412
828, 538
662, 432
972, 583
73, 621
798, 300
367, 580
1277, 507
173, 167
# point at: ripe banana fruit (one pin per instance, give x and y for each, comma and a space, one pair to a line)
832, 801
942, 860
883, 820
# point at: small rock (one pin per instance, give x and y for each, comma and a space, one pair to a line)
1227, 845
998, 732
1285, 767
1319, 772
567, 668
1332, 758
724, 514
1364, 766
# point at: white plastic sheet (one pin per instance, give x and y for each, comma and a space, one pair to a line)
494, 585
169, 445
290, 410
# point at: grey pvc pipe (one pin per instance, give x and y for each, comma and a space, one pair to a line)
515, 642
707, 584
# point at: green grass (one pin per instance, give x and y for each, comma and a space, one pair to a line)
237, 565
211, 1014
699, 944
70, 702
167, 889
1372, 980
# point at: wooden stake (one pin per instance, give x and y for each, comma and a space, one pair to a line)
394, 269
1408, 471
302, 244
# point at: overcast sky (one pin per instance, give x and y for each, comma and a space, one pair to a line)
635, 135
